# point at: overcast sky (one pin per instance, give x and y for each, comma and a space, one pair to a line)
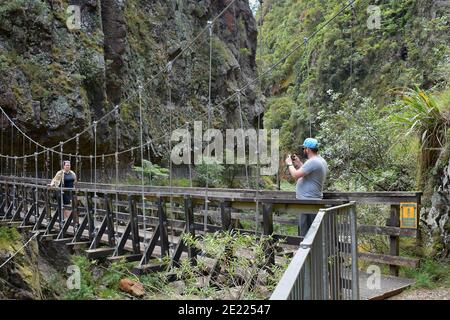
254, 4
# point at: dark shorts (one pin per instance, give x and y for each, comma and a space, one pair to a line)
67, 198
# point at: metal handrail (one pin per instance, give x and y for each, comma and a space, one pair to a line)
317, 270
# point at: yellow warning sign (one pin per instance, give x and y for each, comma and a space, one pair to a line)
408, 215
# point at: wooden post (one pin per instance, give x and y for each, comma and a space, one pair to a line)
109, 220
419, 239
134, 226
394, 241
90, 216
24, 199
75, 207
7, 195
268, 231
190, 228
163, 228
225, 213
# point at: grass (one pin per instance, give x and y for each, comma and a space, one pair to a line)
430, 275
102, 282
287, 186
97, 281
8, 236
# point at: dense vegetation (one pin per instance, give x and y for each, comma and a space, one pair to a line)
377, 97
242, 273
346, 78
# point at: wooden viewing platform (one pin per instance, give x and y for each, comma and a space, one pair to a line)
118, 211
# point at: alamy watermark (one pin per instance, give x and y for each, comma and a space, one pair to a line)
74, 280
73, 21
374, 278
210, 147
374, 20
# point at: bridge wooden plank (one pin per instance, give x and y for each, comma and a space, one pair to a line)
388, 286
150, 247
8, 212
40, 219
65, 226
386, 230
101, 230
148, 268
16, 216
389, 259
123, 240
99, 252
2, 208
126, 257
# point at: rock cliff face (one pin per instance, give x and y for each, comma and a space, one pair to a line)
36, 271
55, 80
435, 214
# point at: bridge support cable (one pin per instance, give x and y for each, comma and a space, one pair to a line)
36, 191
1, 145
77, 152
141, 130
171, 108
243, 137
51, 164
352, 8
20, 249
309, 89
95, 177
258, 164
116, 165
61, 195
12, 150
287, 55
47, 164
190, 158
210, 33
130, 97
13, 157
24, 159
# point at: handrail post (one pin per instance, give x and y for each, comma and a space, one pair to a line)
354, 246
394, 243
268, 231
325, 258
190, 227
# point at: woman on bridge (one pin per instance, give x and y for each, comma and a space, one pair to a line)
66, 178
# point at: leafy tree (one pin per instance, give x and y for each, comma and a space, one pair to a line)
427, 117
360, 146
152, 171
209, 172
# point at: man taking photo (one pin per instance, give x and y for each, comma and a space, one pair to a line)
310, 177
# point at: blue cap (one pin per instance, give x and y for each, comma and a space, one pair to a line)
311, 143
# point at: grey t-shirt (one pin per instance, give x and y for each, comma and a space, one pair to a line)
311, 185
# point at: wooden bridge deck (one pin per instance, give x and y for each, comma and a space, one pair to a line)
123, 204
389, 286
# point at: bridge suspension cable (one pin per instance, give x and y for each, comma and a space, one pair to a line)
210, 109
20, 249
205, 216
111, 112
95, 176
116, 165
141, 134
290, 53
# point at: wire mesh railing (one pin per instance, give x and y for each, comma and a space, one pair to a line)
325, 267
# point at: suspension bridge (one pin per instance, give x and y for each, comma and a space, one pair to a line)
141, 223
